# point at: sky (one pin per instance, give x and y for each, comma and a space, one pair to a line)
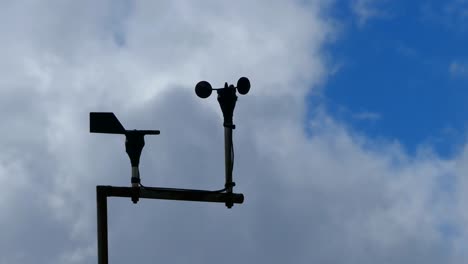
401, 72
350, 146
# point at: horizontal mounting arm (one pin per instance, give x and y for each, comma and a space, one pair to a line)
173, 194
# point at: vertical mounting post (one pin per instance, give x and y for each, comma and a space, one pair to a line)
102, 192
227, 101
228, 162
101, 199
134, 143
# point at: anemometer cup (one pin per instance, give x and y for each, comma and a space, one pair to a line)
243, 85
203, 89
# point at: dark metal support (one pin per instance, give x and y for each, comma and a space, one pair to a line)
227, 101
228, 161
101, 199
108, 123
172, 194
102, 192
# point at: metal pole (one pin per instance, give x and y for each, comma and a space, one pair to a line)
228, 161
174, 194
102, 192
101, 199
228, 157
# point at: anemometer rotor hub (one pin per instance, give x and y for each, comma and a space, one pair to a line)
227, 101
226, 96
204, 89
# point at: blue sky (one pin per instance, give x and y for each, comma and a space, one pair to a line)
379, 71
402, 72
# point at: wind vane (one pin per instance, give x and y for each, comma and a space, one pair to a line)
134, 142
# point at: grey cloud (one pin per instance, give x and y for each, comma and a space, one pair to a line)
327, 198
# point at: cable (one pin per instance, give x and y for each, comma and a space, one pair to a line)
190, 190
232, 156
178, 189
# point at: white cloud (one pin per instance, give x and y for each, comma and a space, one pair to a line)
306, 197
458, 69
451, 14
365, 10
366, 115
